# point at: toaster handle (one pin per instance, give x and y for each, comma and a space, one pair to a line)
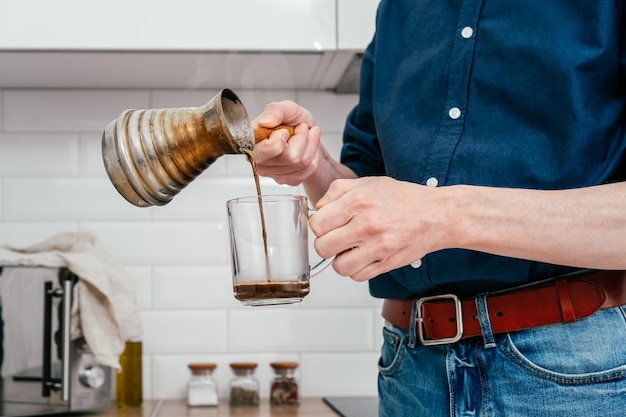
48, 383
46, 377
47, 336
67, 310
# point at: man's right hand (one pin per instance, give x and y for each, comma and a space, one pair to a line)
288, 160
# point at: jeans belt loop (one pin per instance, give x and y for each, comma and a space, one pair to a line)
412, 340
484, 321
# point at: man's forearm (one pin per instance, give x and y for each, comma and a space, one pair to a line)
583, 227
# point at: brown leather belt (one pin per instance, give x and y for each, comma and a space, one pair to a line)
446, 319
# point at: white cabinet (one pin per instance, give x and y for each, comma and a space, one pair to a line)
267, 44
356, 21
167, 25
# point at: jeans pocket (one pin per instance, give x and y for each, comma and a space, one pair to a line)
394, 346
589, 350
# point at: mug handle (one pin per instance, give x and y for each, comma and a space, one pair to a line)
323, 264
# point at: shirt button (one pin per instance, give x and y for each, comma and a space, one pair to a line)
454, 113
416, 264
432, 182
467, 32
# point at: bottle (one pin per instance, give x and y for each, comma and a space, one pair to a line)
244, 387
129, 380
284, 389
202, 388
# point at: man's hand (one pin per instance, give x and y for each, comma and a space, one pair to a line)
288, 160
376, 224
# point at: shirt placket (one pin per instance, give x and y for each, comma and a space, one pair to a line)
455, 109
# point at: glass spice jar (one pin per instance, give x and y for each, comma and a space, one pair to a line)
202, 388
244, 387
284, 390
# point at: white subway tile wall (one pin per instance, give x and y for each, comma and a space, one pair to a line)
52, 180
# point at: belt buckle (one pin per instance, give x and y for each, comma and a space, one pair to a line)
459, 320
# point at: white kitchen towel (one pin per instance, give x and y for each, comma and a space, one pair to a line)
105, 309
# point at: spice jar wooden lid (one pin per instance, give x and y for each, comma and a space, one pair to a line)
204, 366
284, 365
243, 365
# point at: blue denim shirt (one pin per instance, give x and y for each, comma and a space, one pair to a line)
500, 93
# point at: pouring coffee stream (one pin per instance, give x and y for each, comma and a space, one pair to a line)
259, 194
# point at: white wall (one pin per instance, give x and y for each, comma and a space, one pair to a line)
52, 180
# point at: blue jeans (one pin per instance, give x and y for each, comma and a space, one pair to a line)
561, 370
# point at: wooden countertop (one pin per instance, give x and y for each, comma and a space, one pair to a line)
308, 407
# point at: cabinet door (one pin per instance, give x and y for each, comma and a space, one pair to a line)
222, 25
356, 23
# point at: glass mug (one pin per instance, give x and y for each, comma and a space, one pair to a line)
270, 249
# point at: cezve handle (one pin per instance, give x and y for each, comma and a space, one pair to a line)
262, 133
